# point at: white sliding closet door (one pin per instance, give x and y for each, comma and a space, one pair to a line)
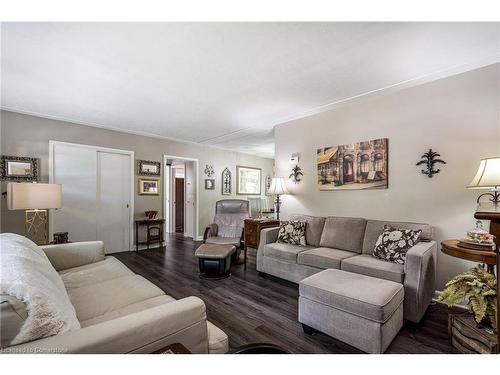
97, 194
113, 197
76, 169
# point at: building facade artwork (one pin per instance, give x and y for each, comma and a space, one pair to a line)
362, 165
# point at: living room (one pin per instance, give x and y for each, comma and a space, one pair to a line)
286, 187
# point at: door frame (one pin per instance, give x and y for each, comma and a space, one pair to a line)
196, 236
52, 145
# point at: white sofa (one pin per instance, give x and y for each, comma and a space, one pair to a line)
119, 311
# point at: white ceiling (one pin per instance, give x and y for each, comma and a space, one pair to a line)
223, 84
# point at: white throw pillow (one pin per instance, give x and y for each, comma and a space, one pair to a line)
28, 275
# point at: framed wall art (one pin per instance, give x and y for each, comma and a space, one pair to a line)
209, 184
248, 180
149, 186
355, 166
226, 182
19, 169
148, 168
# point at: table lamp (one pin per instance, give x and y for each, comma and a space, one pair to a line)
488, 177
36, 199
278, 187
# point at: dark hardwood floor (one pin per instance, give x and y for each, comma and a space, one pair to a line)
251, 308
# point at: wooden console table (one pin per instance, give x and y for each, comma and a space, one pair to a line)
252, 228
149, 224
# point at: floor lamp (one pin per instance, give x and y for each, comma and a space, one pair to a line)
35, 199
278, 187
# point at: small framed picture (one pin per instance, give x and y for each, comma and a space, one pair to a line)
148, 168
209, 184
19, 169
149, 186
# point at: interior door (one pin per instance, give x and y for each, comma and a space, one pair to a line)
179, 205
97, 196
113, 200
75, 168
190, 189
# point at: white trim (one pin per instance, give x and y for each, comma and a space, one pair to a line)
436, 75
125, 131
197, 203
53, 143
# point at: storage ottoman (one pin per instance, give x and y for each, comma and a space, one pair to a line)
362, 311
214, 260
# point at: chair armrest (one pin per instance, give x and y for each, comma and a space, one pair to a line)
145, 331
75, 254
267, 235
210, 231
420, 277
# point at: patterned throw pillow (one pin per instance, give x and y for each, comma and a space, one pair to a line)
392, 244
292, 232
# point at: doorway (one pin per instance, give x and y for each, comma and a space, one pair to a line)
348, 169
181, 196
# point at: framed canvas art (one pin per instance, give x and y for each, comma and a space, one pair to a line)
149, 186
248, 180
355, 166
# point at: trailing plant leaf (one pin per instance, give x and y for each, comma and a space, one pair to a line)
478, 287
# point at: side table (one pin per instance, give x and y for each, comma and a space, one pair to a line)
252, 228
149, 224
488, 257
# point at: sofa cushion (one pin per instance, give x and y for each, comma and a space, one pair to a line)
94, 273
314, 227
371, 266
218, 342
129, 309
292, 232
284, 251
13, 314
323, 257
91, 301
368, 297
224, 240
375, 227
28, 275
344, 233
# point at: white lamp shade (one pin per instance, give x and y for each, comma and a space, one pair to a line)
488, 174
278, 186
30, 196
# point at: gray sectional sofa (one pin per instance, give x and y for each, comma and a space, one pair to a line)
347, 243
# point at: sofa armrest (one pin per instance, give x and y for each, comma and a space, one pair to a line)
210, 231
420, 276
75, 254
267, 235
181, 321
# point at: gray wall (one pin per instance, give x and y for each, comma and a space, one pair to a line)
459, 117
23, 135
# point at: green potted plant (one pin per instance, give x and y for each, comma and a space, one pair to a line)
478, 287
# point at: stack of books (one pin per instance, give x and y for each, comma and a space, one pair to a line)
476, 245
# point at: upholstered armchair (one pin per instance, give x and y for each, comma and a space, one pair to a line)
227, 227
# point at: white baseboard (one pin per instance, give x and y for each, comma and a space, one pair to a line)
461, 305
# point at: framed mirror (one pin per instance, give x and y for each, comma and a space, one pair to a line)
19, 169
248, 181
226, 182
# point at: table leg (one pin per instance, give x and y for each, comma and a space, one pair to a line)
245, 248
